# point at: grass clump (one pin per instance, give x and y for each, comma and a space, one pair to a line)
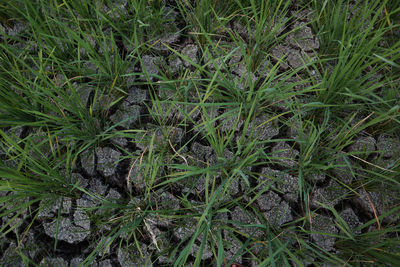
195, 132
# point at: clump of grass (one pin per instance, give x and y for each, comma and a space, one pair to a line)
63, 75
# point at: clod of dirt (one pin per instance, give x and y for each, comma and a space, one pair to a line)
107, 159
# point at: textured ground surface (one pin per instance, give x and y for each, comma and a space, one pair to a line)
266, 193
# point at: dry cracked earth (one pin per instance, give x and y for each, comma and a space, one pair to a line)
105, 171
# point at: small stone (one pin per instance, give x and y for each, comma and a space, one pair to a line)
164, 261
116, 9
169, 39
128, 257
185, 231
266, 179
296, 59
388, 146
105, 263
264, 68
351, 219
107, 160
149, 66
137, 179
10, 256
175, 136
279, 215
76, 262
262, 128
291, 57
76, 91
131, 74
216, 62
364, 144
135, 96
203, 153
207, 252
51, 211
342, 171
317, 177
303, 38
240, 216
125, 260
119, 141
365, 199
190, 51
85, 203
113, 195
90, 68
326, 226
233, 247
278, 52
230, 123
155, 220
285, 154
243, 76
77, 178
241, 30
236, 57
17, 28
88, 162
81, 219
233, 188
96, 186
168, 201
126, 117
285, 183
175, 64
329, 195
104, 246
16, 217
268, 201
15, 133
90, 41
66, 231
30, 245
200, 184
51, 262
228, 154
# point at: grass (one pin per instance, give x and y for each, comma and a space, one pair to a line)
67, 66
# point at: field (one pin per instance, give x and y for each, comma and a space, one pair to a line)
199, 133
